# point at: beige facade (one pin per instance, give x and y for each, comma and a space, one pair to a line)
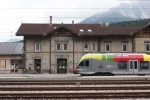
75, 50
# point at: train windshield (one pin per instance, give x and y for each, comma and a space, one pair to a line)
81, 63
84, 63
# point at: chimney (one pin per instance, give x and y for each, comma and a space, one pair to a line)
107, 24
50, 21
72, 23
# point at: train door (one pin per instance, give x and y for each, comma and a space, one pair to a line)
133, 66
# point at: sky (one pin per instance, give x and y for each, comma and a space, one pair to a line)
15, 12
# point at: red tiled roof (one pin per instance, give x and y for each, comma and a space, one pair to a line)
39, 29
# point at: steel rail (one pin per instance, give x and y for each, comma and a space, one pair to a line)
74, 83
77, 80
41, 88
76, 95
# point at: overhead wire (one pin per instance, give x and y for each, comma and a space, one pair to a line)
75, 8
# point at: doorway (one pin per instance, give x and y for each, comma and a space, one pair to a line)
133, 66
37, 66
62, 65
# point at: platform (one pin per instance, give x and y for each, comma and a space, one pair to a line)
69, 77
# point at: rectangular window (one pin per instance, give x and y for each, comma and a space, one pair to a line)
37, 46
107, 48
58, 47
86, 47
65, 47
144, 65
94, 46
135, 64
131, 63
86, 63
148, 47
124, 48
122, 65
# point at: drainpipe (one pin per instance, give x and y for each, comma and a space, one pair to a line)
50, 53
73, 52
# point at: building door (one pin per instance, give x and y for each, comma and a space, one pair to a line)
133, 66
37, 66
61, 65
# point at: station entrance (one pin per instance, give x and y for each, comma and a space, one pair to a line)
37, 66
61, 65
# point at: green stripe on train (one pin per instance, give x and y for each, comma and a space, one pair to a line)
110, 57
103, 57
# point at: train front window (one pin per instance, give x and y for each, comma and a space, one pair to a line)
81, 64
86, 63
144, 65
122, 65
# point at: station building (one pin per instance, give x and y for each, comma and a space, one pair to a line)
56, 48
11, 57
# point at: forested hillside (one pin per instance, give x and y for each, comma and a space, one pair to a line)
134, 23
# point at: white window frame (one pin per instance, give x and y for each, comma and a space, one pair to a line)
64, 46
35, 47
86, 49
146, 47
106, 48
57, 45
126, 47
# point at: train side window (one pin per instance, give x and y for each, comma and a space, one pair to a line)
122, 65
86, 63
81, 64
131, 63
144, 65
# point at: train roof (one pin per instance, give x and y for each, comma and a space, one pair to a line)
116, 57
117, 53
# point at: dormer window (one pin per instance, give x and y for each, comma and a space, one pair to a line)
81, 30
89, 30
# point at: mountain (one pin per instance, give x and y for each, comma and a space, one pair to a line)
133, 23
13, 40
123, 12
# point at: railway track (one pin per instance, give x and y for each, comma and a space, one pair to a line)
74, 82
75, 89
75, 95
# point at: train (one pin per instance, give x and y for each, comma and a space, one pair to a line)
109, 64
